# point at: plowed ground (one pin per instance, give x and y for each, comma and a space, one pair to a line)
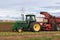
5, 27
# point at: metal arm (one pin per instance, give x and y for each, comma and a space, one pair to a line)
47, 15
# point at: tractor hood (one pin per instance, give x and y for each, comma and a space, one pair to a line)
21, 21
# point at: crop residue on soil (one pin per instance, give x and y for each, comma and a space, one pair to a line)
27, 35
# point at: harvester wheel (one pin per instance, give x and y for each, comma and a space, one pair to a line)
58, 28
35, 27
54, 28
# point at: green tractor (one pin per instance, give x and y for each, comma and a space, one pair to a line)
29, 24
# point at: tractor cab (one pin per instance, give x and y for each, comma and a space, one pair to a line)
30, 18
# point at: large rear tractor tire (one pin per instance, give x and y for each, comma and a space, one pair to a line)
35, 27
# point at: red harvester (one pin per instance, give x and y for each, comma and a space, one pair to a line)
50, 22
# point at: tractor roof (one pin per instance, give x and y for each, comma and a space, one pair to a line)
30, 15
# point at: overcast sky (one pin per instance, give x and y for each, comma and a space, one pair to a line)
13, 7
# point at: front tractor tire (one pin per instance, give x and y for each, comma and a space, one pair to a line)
19, 30
35, 27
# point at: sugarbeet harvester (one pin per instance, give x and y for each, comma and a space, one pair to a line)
49, 23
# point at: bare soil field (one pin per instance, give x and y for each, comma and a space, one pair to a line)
5, 27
